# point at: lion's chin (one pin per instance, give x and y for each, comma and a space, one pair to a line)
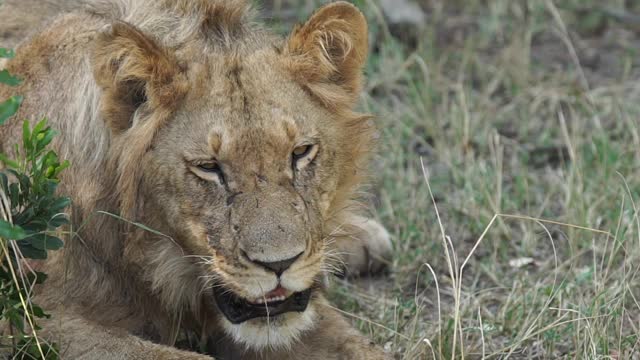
278, 332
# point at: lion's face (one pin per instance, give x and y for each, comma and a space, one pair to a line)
244, 173
252, 162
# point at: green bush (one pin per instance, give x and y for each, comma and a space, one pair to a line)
30, 215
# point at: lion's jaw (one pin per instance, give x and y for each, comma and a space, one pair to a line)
278, 332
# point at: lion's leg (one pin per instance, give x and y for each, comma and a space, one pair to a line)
362, 245
79, 338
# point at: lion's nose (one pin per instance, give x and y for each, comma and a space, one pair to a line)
278, 267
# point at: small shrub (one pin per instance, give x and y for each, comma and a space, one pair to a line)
30, 214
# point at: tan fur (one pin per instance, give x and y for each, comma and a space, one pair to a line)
327, 54
144, 92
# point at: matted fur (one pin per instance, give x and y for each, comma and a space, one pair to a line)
149, 87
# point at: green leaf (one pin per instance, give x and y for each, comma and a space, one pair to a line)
65, 164
10, 163
40, 277
31, 252
7, 53
14, 193
26, 216
39, 126
45, 139
45, 242
35, 226
16, 319
48, 161
58, 220
38, 312
11, 232
9, 108
60, 204
26, 136
8, 79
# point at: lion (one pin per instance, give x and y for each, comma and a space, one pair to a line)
215, 175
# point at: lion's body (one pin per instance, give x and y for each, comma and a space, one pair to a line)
120, 291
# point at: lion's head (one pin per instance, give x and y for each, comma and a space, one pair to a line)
241, 148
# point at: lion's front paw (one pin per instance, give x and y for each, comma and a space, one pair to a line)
367, 249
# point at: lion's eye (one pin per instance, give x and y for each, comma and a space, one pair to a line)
301, 151
210, 171
210, 167
303, 155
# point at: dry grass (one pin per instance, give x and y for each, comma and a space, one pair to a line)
521, 237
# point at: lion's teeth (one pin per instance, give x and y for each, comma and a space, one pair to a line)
272, 299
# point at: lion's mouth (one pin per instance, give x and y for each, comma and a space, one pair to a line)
238, 310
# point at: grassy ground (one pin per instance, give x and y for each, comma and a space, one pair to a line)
528, 109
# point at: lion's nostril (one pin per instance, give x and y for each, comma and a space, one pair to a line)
278, 267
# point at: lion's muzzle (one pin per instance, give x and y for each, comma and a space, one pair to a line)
276, 244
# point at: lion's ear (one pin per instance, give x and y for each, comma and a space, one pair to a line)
326, 54
133, 70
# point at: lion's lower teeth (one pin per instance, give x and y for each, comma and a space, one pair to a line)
269, 300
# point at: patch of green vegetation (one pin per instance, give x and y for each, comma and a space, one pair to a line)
30, 215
